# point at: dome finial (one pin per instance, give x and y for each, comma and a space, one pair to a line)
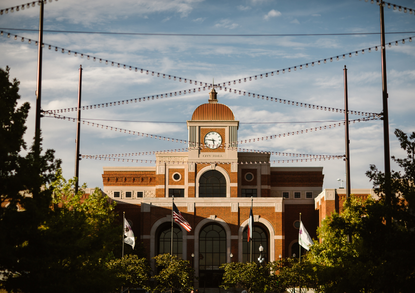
213, 95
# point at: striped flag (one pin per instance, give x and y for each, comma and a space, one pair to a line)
178, 218
250, 225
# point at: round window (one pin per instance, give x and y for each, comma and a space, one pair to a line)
176, 176
296, 224
249, 176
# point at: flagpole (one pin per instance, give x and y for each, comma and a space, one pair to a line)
123, 233
299, 246
250, 240
171, 236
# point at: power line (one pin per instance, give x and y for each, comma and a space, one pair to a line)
206, 35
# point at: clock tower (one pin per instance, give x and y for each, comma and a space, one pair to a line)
213, 135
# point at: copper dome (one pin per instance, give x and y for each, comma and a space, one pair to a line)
213, 110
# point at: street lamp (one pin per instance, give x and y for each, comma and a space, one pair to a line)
260, 258
341, 183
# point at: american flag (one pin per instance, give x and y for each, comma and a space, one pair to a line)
178, 218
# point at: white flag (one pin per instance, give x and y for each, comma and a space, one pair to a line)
129, 234
303, 238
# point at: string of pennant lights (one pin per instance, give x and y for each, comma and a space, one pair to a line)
22, 6
194, 90
194, 145
316, 158
148, 153
204, 85
394, 6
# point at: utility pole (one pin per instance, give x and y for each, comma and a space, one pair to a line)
39, 83
385, 117
78, 132
347, 140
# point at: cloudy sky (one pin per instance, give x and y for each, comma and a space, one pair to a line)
225, 41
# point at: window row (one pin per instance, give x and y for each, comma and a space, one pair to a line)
128, 194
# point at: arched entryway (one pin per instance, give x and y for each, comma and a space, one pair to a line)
212, 253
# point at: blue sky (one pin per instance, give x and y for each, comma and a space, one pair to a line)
222, 58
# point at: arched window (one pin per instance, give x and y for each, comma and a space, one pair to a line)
212, 184
164, 239
259, 237
212, 248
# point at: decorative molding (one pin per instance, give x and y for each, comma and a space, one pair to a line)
278, 207
234, 207
191, 207
149, 193
234, 167
212, 217
256, 218
192, 167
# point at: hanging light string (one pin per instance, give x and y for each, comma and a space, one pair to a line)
394, 6
195, 145
194, 90
22, 6
173, 162
149, 153
312, 63
204, 84
295, 103
107, 61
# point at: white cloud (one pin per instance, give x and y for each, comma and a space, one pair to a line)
243, 8
166, 19
199, 19
295, 21
272, 13
316, 14
226, 23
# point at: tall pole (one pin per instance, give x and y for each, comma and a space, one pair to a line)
172, 220
39, 83
347, 140
250, 240
299, 246
123, 233
385, 110
78, 132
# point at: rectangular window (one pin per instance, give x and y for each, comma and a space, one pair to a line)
139, 194
176, 192
248, 193
117, 194
309, 194
297, 195
128, 194
286, 194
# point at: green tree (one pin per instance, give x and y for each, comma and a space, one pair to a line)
173, 273
24, 193
248, 276
131, 271
73, 245
359, 251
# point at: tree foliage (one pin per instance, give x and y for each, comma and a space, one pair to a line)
247, 276
173, 273
131, 271
24, 193
360, 251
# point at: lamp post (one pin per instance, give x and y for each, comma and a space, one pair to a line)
341, 183
261, 258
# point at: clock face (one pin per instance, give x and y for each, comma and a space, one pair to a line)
213, 140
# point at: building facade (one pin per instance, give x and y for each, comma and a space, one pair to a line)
214, 186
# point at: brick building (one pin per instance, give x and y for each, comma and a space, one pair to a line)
214, 186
